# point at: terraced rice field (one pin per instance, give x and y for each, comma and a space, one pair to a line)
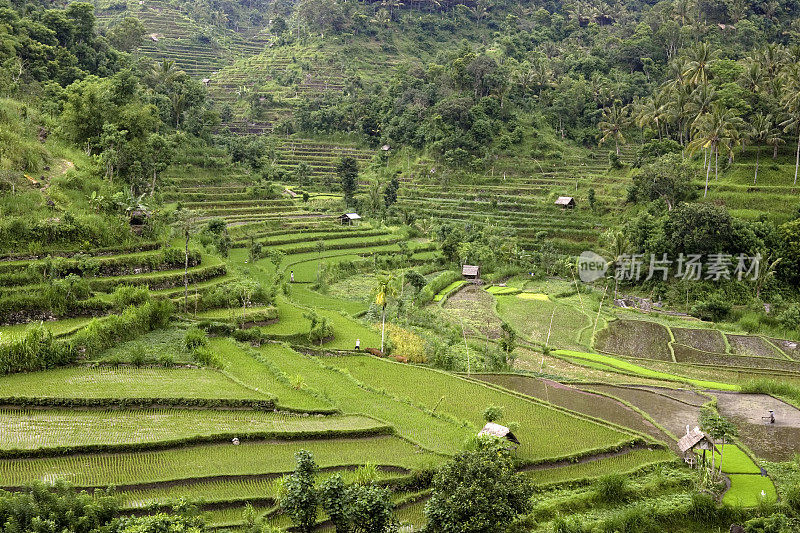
575, 399
209, 461
126, 382
625, 463
546, 429
57, 428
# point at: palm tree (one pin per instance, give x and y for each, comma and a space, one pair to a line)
791, 104
753, 77
701, 57
758, 133
719, 128
616, 244
385, 290
615, 119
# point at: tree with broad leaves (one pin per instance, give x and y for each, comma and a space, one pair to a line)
479, 491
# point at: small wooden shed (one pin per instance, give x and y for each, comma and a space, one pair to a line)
350, 219
472, 272
566, 202
693, 441
496, 430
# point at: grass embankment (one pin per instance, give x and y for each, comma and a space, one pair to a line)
613, 364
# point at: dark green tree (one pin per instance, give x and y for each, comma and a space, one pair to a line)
347, 170
477, 492
390, 192
301, 498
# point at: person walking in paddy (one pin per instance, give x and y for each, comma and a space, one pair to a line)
358, 344
291, 276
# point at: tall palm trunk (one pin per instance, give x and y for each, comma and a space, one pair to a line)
708, 174
758, 156
797, 159
186, 276
716, 162
383, 326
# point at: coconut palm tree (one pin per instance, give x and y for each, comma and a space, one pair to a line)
719, 128
758, 133
791, 104
701, 57
615, 120
384, 291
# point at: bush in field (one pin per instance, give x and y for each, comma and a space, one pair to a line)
59, 507
612, 488
36, 351
194, 338
477, 491
126, 295
790, 318
357, 508
320, 328
493, 413
406, 344
300, 498
714, 308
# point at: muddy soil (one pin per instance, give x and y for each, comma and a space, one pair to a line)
775, 442
707, 340
577, 400
670, 413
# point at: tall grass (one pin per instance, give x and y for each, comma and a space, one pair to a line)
787, 391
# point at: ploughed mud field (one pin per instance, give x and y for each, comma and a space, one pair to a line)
665, 413
577, 400
750, 412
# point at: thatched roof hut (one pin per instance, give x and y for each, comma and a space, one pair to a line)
496, 430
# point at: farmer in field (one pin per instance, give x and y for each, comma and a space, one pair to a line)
291, 276
358, 344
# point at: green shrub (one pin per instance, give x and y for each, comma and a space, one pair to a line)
493, 413
438, 283
713, 309
38, 350
612, 488
789, 318
127, 295
194, 338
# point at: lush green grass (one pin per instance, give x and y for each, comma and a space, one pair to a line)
348, 394
245, 369
620, 464
31, 429
544, 431
126, 382
210, 460
503, 291
56, 327
735, 461
447, 290
631, 368
746, 490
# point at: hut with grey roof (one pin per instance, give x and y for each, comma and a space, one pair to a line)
496, 430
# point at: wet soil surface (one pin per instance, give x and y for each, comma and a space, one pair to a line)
577, 400
750, 412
